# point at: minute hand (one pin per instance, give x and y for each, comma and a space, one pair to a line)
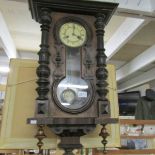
73, 29
79, 37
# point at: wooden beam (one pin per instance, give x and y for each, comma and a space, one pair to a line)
128, 29
137, 80
139, 62
6, 39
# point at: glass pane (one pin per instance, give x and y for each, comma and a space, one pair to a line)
73, 92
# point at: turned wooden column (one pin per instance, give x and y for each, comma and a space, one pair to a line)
43, 73
101, 75
101, 72
43, 70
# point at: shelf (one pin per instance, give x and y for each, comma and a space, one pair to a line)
138, 122
137, 137
10, 151
110, 152
134, 122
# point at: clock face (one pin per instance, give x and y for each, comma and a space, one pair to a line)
68, 96
72, 34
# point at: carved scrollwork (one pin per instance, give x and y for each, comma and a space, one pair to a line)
58, 61
88, 63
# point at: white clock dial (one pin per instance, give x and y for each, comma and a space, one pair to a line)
68, 95
72, 34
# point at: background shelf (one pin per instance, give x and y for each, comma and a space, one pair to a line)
138, 122
110, 152
137, 137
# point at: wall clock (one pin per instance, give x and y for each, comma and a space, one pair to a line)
73, 93
72, 73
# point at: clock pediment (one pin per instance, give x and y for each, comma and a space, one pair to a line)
88, 7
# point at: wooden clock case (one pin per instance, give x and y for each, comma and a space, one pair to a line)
52, 62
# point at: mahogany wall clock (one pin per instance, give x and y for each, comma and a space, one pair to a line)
72, 72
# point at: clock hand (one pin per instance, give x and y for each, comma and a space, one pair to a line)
79, 37
73, 30
66, 37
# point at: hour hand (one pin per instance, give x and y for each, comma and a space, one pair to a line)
79, 37
65, 37
73, 29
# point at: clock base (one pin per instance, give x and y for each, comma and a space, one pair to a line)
68, 129
71, 129
68, 144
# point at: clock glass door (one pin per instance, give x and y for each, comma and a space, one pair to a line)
73, 92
